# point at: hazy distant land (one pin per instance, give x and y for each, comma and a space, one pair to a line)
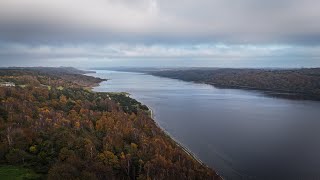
301, 83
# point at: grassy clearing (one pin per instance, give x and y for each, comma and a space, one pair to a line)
17, 173
119, 93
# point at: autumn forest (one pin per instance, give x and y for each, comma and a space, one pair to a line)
55, 126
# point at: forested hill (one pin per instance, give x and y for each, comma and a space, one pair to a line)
53, 125
291, 83
64, 76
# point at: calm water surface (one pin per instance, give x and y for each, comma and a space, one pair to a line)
241, 134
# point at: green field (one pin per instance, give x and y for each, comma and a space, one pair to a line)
17, 173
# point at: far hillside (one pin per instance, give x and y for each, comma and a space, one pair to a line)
292, 83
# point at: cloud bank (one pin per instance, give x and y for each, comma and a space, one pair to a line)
216, 29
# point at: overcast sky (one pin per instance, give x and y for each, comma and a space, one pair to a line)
222, 33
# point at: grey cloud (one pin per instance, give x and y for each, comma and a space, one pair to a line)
156, 32
165, 21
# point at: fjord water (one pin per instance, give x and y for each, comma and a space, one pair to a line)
241, 134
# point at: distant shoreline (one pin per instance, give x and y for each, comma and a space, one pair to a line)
298, 84
182, 74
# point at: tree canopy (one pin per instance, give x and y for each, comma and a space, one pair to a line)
60, 129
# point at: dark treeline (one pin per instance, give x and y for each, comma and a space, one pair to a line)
293, 83
53, 125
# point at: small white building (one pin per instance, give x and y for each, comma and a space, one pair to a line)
7, 84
